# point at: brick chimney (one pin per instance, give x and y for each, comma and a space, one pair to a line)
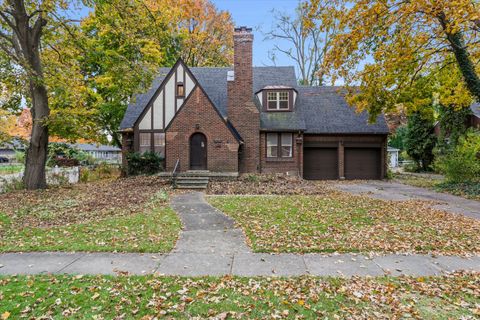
242, 112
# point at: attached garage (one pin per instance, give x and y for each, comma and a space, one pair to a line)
320, 163
363, 163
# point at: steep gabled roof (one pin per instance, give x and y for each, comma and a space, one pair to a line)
214, 82
320, 110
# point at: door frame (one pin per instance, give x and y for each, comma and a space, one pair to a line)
190, 150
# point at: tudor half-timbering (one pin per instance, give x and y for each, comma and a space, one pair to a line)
253, 119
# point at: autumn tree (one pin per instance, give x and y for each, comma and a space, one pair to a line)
22, 24
386, 46
206, 33
308, 44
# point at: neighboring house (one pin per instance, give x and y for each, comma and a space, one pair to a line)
253, 119
8, 149
473, 120
100, 152
393, 157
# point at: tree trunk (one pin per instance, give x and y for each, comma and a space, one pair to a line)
36, 157
465, 64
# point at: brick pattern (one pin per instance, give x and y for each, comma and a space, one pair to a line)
199, 115
127, 146
242, 112
282, 165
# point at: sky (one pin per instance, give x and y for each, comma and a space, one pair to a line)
257, 14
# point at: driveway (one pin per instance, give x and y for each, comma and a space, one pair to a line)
400, 192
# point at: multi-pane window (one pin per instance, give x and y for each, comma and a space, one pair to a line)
277, 100
145, 142
272, 145
287, 145
159, 143
279, 145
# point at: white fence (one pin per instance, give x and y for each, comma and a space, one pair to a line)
55, 176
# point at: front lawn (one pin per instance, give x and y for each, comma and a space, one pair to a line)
125, 215
128, 297
341, 222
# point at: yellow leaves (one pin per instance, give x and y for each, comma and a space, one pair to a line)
5, 315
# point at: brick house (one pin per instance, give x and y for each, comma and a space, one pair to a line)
253, 119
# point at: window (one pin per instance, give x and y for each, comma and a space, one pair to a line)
286, 145
145, 142
278, 100
180, 90
272, 145
159, 143
279, 145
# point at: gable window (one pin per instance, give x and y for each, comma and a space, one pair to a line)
180, 90
145, 142
279, 145
277, 100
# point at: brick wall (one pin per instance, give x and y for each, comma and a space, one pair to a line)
282, 165
242, 112
199, 115
127, 146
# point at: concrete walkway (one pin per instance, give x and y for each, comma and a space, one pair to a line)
210, 244
400, 192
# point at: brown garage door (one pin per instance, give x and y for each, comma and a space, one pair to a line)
362, 163
320, 163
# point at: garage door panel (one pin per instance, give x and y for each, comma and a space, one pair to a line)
362, 163
320, 163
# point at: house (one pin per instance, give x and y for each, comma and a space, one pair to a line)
100, 152
472, 121
8, 149
253, 119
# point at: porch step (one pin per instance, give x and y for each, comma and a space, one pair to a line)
191, 182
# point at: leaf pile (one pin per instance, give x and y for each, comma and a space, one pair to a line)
79, 203
128, 215
275, 184
124, 297
341, 222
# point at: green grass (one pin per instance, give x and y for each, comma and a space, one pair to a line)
11, 168
152, 231
127, 215
135, 297
339, 222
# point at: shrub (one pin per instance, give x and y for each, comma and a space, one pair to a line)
144, 163
420, 140
20, 156
463, 163
99, 172
64, 155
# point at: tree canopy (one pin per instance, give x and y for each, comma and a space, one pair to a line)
404, 53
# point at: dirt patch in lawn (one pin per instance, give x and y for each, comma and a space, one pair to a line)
79, 203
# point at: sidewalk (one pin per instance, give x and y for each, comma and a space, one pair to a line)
210, 244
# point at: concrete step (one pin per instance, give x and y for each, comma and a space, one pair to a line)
197, 182
190, 186
183, 178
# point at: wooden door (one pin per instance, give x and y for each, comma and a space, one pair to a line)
198, 152
320, 163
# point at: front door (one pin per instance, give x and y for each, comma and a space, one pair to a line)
198, 152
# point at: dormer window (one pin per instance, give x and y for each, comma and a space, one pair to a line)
277, 100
